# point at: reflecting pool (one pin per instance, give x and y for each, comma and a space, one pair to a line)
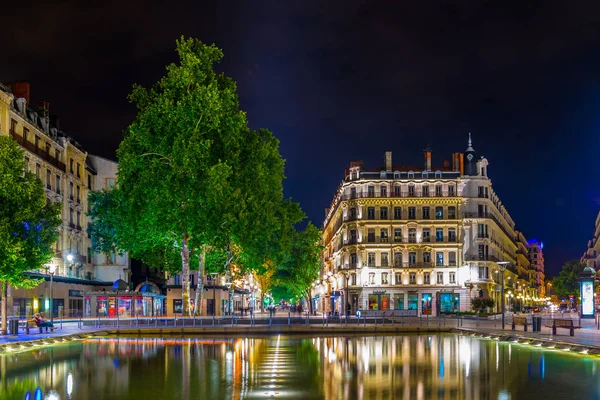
385, 367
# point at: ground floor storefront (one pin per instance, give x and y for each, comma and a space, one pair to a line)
217, 301
426, 301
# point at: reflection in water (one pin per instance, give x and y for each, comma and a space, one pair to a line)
388, 367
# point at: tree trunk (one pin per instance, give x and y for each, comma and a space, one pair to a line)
309, 302
4, 308
185, 278
200, 287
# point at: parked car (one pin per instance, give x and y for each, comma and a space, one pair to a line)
536, 309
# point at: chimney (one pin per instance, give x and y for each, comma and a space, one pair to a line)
21, 90
427, 158
461, 158
388, 161
455, 162
446, 163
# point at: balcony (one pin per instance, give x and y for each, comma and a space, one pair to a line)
426, 239
470, 257
482, 236
398, 240
349, 218
350, 241
43, 154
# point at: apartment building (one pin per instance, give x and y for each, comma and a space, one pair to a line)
425, 238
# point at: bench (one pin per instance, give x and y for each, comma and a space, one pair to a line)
27, 325
561, 323
520, 321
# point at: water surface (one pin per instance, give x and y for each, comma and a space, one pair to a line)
388, 367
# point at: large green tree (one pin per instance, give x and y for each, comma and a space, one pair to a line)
28, 222
303, 264
567, 281
193, 178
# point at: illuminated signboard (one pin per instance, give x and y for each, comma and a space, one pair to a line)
587, 298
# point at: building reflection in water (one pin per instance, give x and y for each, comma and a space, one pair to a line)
387, 367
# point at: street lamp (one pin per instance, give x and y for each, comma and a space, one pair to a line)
502, 267
52, 270
229, 285
213, 277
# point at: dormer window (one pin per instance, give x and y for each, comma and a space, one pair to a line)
396, 175
382, 175
411, 175
425, 175
438, 174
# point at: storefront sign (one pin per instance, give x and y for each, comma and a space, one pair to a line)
177, 306
379, 291
75, 293
587, 298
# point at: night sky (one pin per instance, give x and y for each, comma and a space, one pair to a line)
338, 81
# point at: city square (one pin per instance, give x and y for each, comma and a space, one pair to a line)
236, 203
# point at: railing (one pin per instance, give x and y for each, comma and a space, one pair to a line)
42, 153
470, 257
367, 194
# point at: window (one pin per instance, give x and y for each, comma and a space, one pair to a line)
353, 260
426, 278
451, 190
384, 278
439, 259
412, 213
398, 259
37, 141
78, 172
353, 193
26, 164
483, 273
353, 279
452, 212
396, 175
481, 252
439, 235
353, 236
371, 259
397, 235
426, 213
399, 303
440, 278
78, 194
78, 219
452, 235
371, 191
426, 235
71, 165
57, 154
383, 191
411, 175
426, 257
412, 258
425, 191
71, 216
412, 278
353, 213
57, 185
438, 191
48, 179
71, 189
438, 174
411, 191
452, 258
383, 213
425, 175
48, 148
177, 279
397, 213
452, 277
398, 278
397, 191
412, 235
371, 236
384, 260
372, 278
371, 213
383, 235
439, 213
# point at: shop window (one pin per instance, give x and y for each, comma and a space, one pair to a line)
399, 302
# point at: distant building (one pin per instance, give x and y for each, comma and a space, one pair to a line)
591, 256
425, 238
536, 257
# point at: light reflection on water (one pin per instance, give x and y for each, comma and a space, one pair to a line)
388, 367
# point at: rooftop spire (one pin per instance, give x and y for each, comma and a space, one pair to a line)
470, 148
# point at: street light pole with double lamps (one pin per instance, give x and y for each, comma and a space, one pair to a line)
502, 267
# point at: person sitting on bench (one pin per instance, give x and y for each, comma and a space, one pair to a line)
42, 322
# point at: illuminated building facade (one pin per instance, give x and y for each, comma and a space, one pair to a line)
416, 238
536, 258
591, 257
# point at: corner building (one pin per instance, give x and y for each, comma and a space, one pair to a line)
415, 238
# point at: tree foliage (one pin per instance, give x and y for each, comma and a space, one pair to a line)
28, 222
193, 178
567, 281
479, 304
303, 263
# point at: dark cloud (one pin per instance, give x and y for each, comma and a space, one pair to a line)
343, 80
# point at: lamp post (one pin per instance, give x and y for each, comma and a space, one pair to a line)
214, 277
52, 270
229, 285
502, 267
346, 299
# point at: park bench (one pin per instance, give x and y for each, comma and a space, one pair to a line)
520, 321
561, 323
28, 324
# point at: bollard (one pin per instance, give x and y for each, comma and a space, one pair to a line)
427, 320
174, 322
513, 324
137, 321
365, 320
289, 322
525, 326
327, 320
194, 320
98, 321
572, 330
156, 322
